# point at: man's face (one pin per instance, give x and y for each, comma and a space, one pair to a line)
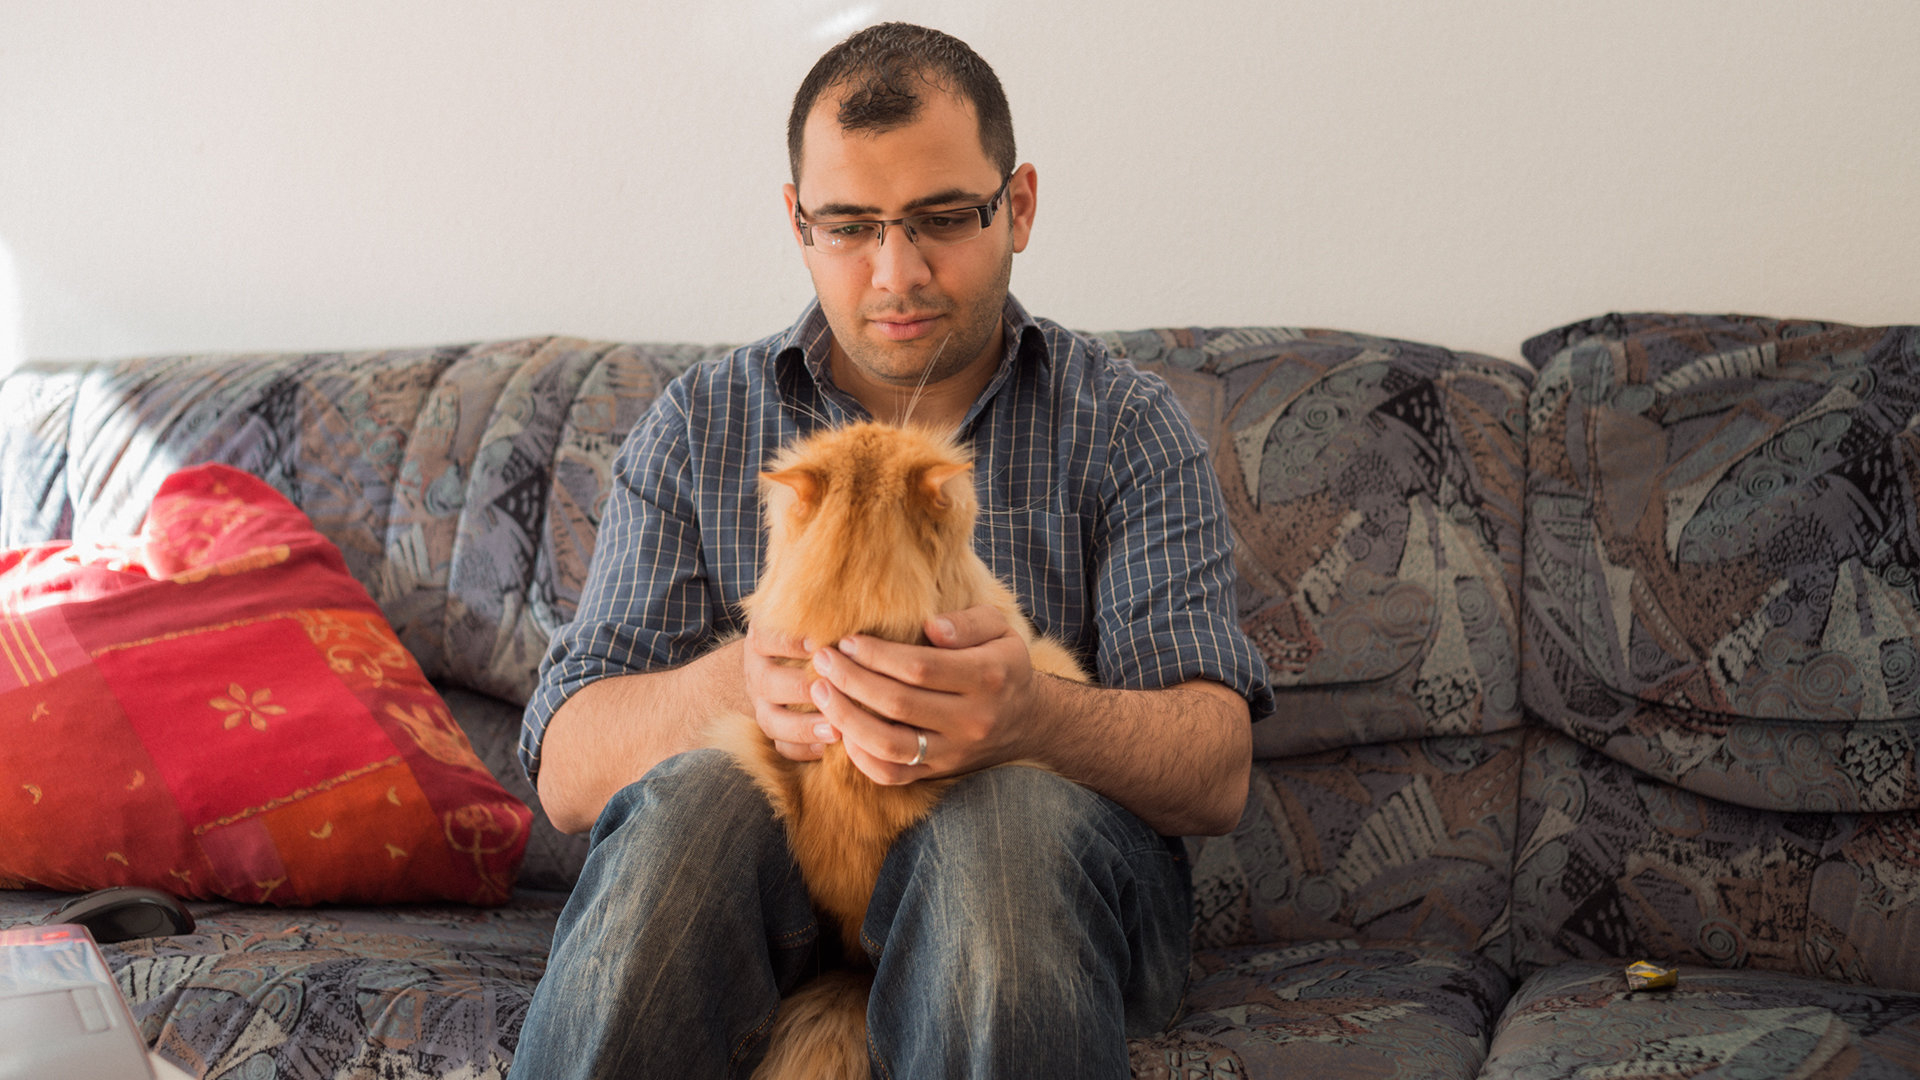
893, 307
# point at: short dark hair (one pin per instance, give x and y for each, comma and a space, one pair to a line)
883, 68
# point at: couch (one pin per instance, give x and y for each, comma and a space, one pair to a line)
1606, 656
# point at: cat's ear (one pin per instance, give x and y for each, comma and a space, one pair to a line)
805, 483
933, 482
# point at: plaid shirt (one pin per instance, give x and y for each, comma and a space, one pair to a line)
1098, 504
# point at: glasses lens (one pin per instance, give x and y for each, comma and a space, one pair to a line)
945, 228
846, 236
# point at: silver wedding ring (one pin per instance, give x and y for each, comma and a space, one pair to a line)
919, 755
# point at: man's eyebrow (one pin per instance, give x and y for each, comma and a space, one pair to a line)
950, 197
841, 210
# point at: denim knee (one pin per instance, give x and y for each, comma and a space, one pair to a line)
688, 923
1022, 887
1021, 823
686, 792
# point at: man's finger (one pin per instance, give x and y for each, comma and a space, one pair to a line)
967, 627
880, 669
800, 751
785, 685
797, 726
775, 643
865, 734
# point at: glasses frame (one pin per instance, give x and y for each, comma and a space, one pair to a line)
986, 210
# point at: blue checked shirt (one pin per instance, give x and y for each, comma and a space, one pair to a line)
1098, 504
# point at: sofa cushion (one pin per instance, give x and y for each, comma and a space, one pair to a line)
1330, 1009
533, 483
88, 445
1723, 554
1612, 862
1579, 1019
1373, 488
216, 708
400, 993
1409, 840
430, 991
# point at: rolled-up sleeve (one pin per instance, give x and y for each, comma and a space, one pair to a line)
1163, 559
646, 601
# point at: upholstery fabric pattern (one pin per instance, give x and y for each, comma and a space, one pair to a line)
412, 993
1723, 555
1407, 841
611, 399
35, 505
325, 429
1332, 1009
1374, 488
1615, 863
436, 991
526, 537
1581, 1020
442, 452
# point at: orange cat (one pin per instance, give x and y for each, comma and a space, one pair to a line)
870, 531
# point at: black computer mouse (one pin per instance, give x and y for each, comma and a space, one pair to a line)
125, 912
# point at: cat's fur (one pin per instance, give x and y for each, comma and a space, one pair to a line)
870, 531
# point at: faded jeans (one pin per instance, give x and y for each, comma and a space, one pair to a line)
1024, 929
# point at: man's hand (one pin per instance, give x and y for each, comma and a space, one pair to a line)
773, 665
970, 694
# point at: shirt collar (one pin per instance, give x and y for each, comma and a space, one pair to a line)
808, 343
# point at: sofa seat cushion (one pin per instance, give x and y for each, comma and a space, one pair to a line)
406, 993
1330, 1009
1400, 841
1579, 1019
402, 993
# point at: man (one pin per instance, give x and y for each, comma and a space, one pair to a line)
1032, 922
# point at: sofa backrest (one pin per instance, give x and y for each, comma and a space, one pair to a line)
1374, 488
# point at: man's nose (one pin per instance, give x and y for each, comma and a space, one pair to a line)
898, 266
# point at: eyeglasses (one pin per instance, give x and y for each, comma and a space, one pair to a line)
933, 228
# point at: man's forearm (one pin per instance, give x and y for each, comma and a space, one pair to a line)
1179, 758
609, 733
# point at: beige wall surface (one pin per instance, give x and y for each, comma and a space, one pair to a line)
217, 175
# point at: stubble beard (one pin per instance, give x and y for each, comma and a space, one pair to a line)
950, 351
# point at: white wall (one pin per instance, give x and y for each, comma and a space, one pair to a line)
247, 174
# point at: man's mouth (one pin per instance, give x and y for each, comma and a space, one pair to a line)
904, 327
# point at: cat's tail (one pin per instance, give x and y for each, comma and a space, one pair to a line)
821, 1032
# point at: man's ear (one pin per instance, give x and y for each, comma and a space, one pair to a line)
1023, 195
793, 211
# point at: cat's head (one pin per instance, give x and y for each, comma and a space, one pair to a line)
865, 522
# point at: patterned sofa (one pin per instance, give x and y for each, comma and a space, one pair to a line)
1609, 658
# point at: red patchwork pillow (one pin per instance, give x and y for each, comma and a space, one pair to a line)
216, 708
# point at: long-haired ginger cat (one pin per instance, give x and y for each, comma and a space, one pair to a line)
870, 531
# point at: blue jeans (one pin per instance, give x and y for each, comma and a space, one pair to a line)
1025, 928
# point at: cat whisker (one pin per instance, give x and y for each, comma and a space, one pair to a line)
811, 413
906, 416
